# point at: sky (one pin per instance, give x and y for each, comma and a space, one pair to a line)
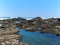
30, 8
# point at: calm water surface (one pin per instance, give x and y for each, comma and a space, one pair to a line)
37, 38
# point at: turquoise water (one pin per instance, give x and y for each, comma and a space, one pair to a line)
37, 38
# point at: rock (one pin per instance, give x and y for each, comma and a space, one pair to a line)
9, 36
23, 43
1, 39
13, 42
37, 19
4, 32
2, 43
8, 43
53, 31
31, 28
25, 26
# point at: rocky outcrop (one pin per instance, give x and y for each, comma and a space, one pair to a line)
41, 25
35, 24
9, 32
54, 30
9, 35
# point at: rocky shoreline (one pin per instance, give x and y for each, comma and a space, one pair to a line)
9, 35
49, 25
8, 32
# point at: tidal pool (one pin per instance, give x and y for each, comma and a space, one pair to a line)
37, 38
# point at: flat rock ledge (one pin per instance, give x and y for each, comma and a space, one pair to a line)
9, 36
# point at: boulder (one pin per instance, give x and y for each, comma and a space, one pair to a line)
31, 28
